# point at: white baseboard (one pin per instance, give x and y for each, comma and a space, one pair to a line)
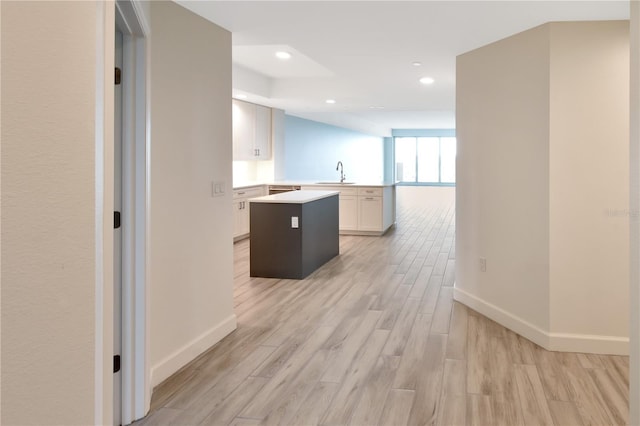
590, 344
563, 342
165, 368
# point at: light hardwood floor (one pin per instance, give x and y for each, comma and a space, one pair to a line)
374, 337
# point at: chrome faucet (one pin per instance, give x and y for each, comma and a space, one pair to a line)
341, 167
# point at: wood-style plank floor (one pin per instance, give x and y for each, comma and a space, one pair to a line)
374, 338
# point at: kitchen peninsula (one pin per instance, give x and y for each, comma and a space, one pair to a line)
293, 233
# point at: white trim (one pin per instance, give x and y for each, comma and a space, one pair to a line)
103, 163
588, 343
99, 219
634, 206
144, 175
130, 18
502, 317
565, 342
191, 350
141, 296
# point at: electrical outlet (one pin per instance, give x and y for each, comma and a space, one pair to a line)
483, 264
294, 222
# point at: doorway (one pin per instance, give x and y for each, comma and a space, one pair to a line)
131, 390
117, 231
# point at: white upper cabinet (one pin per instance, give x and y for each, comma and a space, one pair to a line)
263, 133
244, 118
251, 131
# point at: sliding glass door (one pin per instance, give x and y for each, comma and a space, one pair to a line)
426, 160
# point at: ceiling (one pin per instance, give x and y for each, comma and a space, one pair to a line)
361, 53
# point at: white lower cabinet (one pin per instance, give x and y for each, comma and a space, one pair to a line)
369, 213
241, 218
348, 213
364, 210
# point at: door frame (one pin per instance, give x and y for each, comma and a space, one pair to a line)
136, 391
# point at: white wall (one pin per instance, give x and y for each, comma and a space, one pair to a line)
589, 174
56, 355
502, 183
542, 157
191, 257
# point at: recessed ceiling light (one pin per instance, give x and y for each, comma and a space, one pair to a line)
376, 107
426, 80
330, 101
241, 96
416, 64
283, 55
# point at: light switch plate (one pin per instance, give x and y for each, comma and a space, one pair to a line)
294, 221
217, 188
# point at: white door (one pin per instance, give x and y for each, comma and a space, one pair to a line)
117, 235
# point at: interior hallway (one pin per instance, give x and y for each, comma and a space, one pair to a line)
373, 337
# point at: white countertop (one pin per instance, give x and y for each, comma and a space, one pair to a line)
243, 185
321, 184
294, 197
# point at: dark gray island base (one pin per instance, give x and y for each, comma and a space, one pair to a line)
282, 248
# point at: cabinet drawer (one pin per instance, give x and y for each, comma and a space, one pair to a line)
248, 193
342, 189
370, 192
347, 191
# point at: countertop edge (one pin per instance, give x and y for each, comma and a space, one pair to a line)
294, 197
249, 185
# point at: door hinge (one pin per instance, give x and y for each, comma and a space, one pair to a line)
116, 220
116, 363
118, 76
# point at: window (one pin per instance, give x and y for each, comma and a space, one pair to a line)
428, 160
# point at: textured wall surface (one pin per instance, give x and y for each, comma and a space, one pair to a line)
49, 200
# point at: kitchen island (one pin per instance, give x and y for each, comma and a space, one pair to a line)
366, 208
293, 233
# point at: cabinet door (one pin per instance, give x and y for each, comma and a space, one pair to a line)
244, 125
246, 218
238, 219
348, 213
262, 143
370, 214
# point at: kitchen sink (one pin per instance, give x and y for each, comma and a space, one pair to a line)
335, 183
